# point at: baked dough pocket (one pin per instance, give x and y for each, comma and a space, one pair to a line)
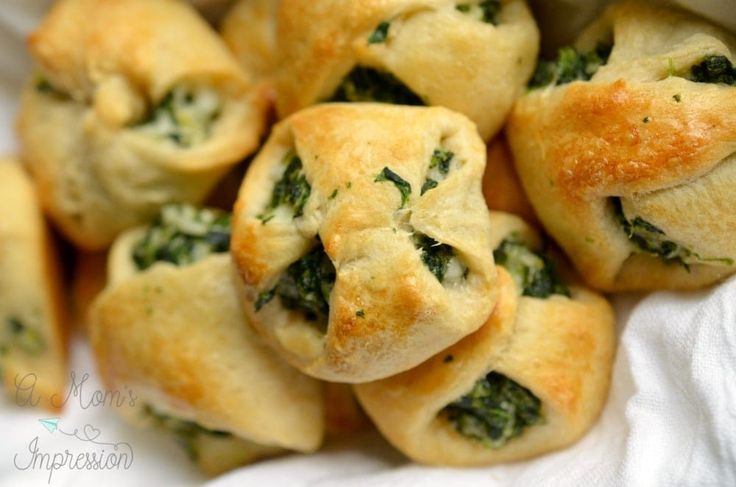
170, 328
361, 236
471, 56
33, 348
142, 106
626, 146
532, 379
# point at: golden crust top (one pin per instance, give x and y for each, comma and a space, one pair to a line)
637, 129
432, 47
387, 311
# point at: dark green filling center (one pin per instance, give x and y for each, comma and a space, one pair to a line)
714, 69
439, 167
571, 65
305, 286
183, 235
371, 85
652, 240
380, 34
435, 256
496, 410
401, 184
291, 190
23, 337
534, 273
185, 432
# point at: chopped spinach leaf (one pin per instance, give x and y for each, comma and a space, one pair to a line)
24, 337
360, 313
435, 256
183, 116
439, 167
183, 235
292, 189
495, 411
401, 184
485, 10
534, 273
429, 183
185, 432
380, 34
306, 285
650, 239
368, 84
570, 65
714, 69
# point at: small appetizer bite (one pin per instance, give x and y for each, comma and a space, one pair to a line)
170, 328
471, 56
626, 146
141, 107
33, 348
533, 379
361, 237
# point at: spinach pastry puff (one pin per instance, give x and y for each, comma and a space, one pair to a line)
170, 328
33, 355
626, 146
140, 107
532, 379
472, 56
361, 235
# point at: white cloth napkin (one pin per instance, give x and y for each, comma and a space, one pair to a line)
670, 418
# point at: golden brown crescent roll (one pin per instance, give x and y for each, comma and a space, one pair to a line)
626, 146
249, 29
472, 56
532, 379
140, 107
170, 328
361, 235
33, 350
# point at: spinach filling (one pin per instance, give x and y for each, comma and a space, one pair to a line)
368, 84
380, 34
401, 184
292, 190
650, 239
305, 286
439, 258
183, 116
534, 273
714, 69
21, 336
439, 166
570, 65
495, 411
485, 10
185, 432
44, 87
183, 235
